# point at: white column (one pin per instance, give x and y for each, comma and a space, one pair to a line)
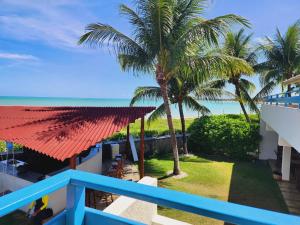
286, 163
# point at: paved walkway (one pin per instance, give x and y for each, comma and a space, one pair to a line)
289, 192
291, 196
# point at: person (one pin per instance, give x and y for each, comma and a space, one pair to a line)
38, 210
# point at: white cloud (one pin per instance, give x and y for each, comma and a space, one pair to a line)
52, 22
14, 56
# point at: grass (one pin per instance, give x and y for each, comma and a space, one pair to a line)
156, 128
159, 125
239, 182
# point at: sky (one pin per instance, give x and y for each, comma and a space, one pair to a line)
39, 55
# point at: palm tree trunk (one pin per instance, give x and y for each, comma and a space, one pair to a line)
182, 119
164, 92
176, 169
238, 93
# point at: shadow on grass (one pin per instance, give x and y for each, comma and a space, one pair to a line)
153, 169
252, 184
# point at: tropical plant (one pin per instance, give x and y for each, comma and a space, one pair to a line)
164, 33
182, 91
238, 45
225, 135
282, 57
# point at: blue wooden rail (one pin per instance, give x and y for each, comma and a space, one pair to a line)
286, 98
77, 214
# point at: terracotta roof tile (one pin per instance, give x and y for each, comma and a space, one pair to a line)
61, 132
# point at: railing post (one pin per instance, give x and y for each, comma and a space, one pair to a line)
75, 205
271, 100
72, 162
142, 148
285, 103
128, 154
277, 99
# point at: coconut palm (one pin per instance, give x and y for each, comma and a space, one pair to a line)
282, 57
164, 32
238, 45
182, 91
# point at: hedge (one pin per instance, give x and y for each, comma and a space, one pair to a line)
225, 135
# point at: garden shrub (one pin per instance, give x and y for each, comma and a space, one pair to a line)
17, 147
226, 135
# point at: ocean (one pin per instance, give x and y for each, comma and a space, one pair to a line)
214, 107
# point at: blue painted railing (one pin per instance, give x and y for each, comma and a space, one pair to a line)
286, 98
77, 214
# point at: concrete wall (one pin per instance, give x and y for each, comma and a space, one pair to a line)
135, 209
57, 200
154, 145
268, 145
285, 121
12, 183
93, 165
140, 211
162, 220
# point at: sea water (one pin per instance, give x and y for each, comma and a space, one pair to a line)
218, 107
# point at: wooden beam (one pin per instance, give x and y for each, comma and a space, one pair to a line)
72, 163
142, 148
128, 153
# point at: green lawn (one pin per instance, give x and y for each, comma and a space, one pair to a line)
159, 125
157, 128
240, 182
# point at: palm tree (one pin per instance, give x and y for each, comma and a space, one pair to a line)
238, 45
164, 32
183, 91
282, 57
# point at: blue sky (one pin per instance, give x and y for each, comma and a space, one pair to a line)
39, 55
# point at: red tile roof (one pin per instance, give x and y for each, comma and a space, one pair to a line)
62, 132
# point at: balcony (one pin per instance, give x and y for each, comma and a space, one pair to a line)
77, 214
281, 113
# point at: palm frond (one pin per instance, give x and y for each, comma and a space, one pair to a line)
247, 85
158, 113
136, 63
192, 104
265, 91
99, 34
248, 100
146, 93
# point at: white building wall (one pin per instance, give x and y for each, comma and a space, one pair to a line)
268, 144
285, 121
